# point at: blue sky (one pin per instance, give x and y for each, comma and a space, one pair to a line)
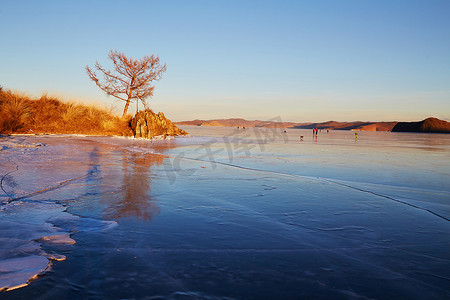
299, 60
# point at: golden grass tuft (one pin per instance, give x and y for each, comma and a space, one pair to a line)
20, 114
14, 111
71, 112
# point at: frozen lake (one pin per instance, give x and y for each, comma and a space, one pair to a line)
226, 214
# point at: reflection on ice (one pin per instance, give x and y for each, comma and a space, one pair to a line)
137, 178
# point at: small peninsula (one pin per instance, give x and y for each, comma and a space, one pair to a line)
50, 115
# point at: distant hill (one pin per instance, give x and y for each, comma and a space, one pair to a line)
331, 125
364, 126
430, 125
235, 122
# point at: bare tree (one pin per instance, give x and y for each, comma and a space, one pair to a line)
131, 79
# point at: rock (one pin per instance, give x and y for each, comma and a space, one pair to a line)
430, 125
147, 124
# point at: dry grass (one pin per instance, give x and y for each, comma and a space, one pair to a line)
20, 114
14, 113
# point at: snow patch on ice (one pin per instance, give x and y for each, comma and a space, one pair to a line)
18, 272
25, 227
18, 143
58, 239
68, 222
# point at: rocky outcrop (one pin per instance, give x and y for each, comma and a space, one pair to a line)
430, 125
147, 124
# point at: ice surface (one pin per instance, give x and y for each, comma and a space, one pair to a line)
228, 213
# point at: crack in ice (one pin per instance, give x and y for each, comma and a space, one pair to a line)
323, 180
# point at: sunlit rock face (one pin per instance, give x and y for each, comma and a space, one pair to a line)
147, 124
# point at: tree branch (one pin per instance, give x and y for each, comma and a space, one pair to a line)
131, 77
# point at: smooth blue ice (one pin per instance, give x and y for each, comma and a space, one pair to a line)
233, 214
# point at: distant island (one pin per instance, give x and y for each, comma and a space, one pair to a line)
431, 125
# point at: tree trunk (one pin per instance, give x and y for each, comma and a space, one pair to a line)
129, 98
126, 107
